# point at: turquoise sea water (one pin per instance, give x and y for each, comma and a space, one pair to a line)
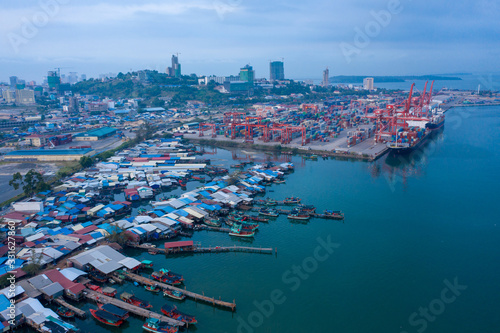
410, 225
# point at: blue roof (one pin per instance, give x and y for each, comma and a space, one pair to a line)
180, 212
4, 303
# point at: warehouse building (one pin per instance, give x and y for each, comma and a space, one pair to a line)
48, 155
96, 134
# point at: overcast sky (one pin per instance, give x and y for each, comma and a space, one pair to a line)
220, 36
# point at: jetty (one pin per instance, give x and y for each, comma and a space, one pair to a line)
196, 297
100, 298
211, 249
79, 312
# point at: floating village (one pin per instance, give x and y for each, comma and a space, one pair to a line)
77, 231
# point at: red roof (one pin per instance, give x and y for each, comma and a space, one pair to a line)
18, 272
55, 276
170, 245
28, 244
86, 230
16, 216
76, 288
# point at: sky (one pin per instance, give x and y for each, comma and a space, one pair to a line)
218, 37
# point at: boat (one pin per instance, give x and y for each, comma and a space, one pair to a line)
212, 222
258, 219
333, 214
108, 291
271, 202
291, 201
174, 294
268, 212
106, 318
279, 181
152, 288
96, 276
437, 121
65, 312
146, 264
172, 312
307, 208
240, 232
114, 310
297, 214
165, 276
131, 299
155, 325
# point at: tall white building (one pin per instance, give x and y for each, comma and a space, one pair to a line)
325, 82
368, 83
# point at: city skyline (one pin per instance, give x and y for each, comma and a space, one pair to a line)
217, 38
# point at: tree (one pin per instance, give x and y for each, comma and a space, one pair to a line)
118, 235
85, 161
31, 183
34, 266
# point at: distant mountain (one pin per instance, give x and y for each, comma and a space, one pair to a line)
378, 79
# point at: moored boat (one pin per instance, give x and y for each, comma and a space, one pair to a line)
268, 212
297, 214
106, 318
291, 201
114, 310
333, 214
174, 294
166, 276
131, 299
152, 288
212, 222
65, 312
108, 291
146, 264
172, 312
240, 232
258, 219
155, 325
96, 276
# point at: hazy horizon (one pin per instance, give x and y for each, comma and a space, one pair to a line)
219, 37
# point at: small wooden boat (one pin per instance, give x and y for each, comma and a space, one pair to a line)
212, 222
298, 216
271, 202
268, 212
131, 299
258, 219
166, 276
172, 312
279, 181
152, 288
333, 214
114, 310
307, 208
108, 291
240, 232
155, 325
174, 294
291, 201
65, 312
146, 264
106, 318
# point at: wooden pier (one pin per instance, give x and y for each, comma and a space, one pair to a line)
79, 312
98, 297
194, 296
211, 249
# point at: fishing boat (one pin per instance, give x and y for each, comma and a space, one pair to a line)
307, 208
146, 264
131, 299
212, 222
155, 325
96, 276
291, 201
279, 181
172, 312
268, 212
271, 202
248, 226
297, 214
166, 276
240, 232
258, 219
174, 294
152, 288
65, 312
108, 291
333, 214
114, 310
106, 318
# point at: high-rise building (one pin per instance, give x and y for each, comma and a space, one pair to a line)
276, 71
247, 74
53, 79
83, 77
72, 77
25, 97
325, 82
13, 82
175, 70
368, 83
9, 96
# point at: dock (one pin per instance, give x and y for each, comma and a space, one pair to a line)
79, 312
97, 297
211, 249
196, 297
